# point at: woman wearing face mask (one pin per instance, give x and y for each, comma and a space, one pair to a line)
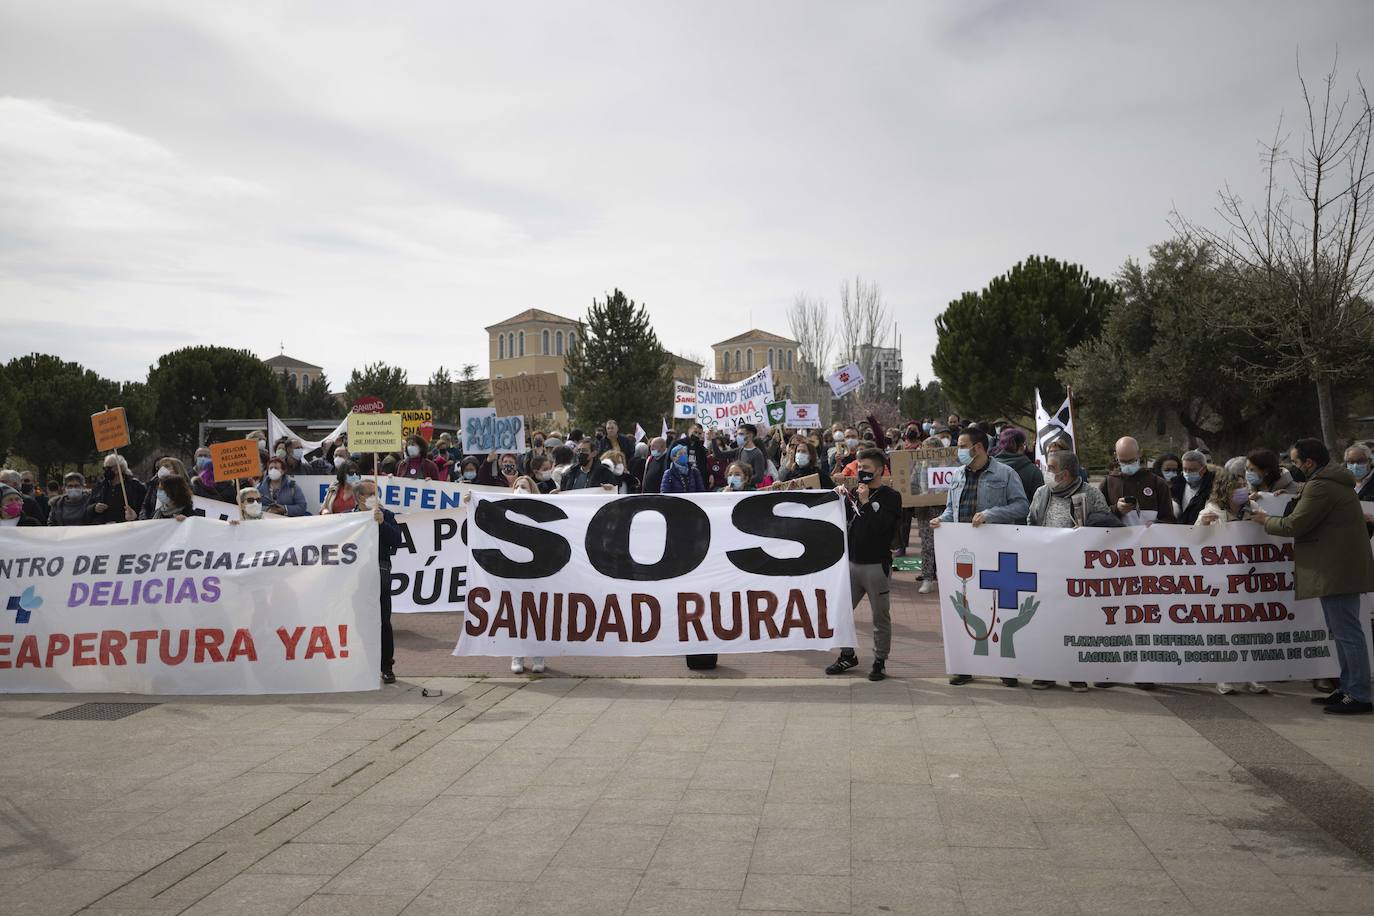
739, 478
536, 450
681, 477
1169, 467
803, 462
1228, 502
166, 467
618, 475
1264, 474
468, 470
416, 464
172, 499
12, 510
292, 454
69, 509
250, 505
541, 472
203, 481
339, 497
280, 494
106, 504
499, 470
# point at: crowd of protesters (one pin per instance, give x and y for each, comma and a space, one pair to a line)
998, 482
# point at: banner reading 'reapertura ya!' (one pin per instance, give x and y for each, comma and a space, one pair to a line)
1158, 603
656, 575
193, 607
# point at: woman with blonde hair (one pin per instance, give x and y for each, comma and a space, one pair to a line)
1228, 502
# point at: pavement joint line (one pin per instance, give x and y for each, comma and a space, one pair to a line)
1300, 779
206, 864
274, 823
355, 772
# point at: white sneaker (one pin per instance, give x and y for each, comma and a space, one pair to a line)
1224, 688
1256, 687
927, 587
537, 665
517, 665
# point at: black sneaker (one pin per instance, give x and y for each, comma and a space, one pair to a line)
957, 680
879, 670
1347, 706
1010, 682
1329, 700
842, 664
388, 676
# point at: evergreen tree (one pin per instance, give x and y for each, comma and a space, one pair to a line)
617, 369
194, 384
471, 391
383, 381
315, 402
54, 401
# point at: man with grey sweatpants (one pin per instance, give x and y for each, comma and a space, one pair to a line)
873, 513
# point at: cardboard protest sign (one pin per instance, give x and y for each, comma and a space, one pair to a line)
111, 429
684, 401
725, 405
923, 475
843, 381
236, 459
374, 432
527, 395
413, 423
777, 412
809, 482
484, 432
803, 416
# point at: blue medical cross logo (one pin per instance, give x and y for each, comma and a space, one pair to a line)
1007, 580
24, 605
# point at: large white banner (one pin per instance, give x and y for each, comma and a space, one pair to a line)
193, 607
725, 405
429, 570
684, 401
1163, 603
657, 575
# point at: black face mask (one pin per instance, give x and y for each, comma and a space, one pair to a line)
585, 457
866, 477
26, 488
109, 474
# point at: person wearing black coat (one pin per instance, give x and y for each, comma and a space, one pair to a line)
1194, 466
652, 477
389, 534
106, 505
613, 440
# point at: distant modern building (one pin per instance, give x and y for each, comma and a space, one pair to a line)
744, 354
882, 368
294, 372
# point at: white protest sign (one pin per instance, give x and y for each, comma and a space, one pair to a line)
484, 432
684, 400
803, 416
725, 405
1164, 603
843, 381
193, 607
429, 569
738, 572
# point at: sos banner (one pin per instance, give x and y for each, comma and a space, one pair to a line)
1163, 603
657, 575
193, 607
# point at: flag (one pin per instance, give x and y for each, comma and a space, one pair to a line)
665, 432
640, 434
1048, 428
276, 430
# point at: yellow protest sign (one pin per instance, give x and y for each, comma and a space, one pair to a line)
235, 459
374, 432
111, 429
411, 421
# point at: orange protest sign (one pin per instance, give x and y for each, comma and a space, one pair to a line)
111, 429
235, 459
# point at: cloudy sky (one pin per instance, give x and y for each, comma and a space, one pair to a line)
357, 181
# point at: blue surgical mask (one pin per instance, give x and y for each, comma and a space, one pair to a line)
965, 456
740, 440
1360, 470
735, 481
202, 463
162, 498
1170, 476
803, 459
1130, 468
681, 462
656, 452
469, 475
1253, 479
1240, 497
1193, 478
353, 480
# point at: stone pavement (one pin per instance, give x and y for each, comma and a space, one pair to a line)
424, 647
624, 796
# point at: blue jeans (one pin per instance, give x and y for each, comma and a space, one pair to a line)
1347, 631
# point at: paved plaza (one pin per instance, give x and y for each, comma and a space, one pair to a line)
692, 796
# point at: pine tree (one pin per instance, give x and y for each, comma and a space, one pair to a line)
617, 369
386, 382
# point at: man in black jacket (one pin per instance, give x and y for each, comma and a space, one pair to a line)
389, 535
1191, 488
874, 512
652, 477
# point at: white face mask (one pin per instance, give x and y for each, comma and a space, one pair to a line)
524, 489
75, 492
803, 459
413, 451
340, 460
164, 472
274, 473
546, 475
298, 453
371, 502
252, 509
607, 463
619, 469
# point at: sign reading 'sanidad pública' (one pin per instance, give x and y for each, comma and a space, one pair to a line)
1158, 603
